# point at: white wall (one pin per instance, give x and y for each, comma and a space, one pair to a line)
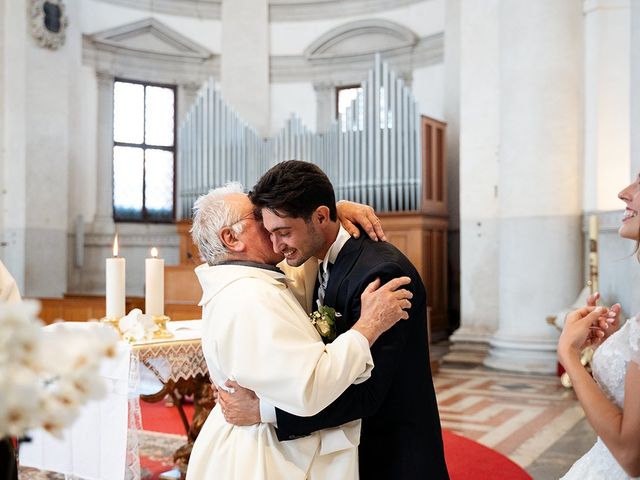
607, 31
288, 98
428, 89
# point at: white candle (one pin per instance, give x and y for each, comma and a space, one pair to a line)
593, 227
154, 284
593, 253
115, 281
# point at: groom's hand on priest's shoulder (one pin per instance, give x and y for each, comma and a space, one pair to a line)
240, 406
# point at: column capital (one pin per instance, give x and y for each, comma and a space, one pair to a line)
104, 78
589, 6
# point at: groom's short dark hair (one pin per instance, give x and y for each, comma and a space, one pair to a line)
294, 189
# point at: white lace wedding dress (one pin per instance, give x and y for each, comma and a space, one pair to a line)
609, 366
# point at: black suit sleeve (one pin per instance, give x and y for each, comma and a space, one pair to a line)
364, 399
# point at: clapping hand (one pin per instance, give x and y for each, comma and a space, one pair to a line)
608, 323
581, 329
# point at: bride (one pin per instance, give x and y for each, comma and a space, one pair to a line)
616, 369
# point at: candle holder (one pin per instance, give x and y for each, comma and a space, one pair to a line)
113, 322
161, 323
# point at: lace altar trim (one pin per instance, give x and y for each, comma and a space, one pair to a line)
173, 360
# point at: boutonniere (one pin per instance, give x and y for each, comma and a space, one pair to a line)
324, 319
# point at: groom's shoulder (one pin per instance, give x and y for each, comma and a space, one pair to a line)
383, 251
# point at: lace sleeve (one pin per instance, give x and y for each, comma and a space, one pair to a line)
634, 339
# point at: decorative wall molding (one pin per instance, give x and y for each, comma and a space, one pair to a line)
279, 10
149, 50
348, 68
303, 10
589, 6
361, 37
209, 9
48, 22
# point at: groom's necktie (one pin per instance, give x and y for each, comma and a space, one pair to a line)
323, 279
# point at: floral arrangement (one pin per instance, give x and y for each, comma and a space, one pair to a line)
47, 374
324, 319
136, 326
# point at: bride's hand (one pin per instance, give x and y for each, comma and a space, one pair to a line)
610, 321
580, 330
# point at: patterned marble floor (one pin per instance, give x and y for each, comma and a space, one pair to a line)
531, 419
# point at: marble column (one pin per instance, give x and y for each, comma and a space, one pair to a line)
607, 31
539, 178
245, 60
13, 199
103, 222
479, 140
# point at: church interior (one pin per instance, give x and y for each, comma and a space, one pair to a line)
492, 139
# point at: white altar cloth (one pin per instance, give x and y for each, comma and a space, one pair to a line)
94, 447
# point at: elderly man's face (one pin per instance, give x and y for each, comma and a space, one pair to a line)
254, 235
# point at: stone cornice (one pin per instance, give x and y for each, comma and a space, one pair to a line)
353, 68
209, 9
279, 10
590, 6
303, 10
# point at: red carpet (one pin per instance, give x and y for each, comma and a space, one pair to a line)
466, 459
157, 417
469, 460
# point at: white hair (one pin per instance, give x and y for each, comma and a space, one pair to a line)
211, 212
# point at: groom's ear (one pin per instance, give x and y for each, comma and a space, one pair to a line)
322, 215
229, 239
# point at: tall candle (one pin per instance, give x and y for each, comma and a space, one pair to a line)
154, 284
115, 283
593, 253
593, 227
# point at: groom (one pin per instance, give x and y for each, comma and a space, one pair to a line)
401, 435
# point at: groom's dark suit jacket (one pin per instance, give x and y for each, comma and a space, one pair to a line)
401, 436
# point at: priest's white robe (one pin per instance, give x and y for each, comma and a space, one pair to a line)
256, 332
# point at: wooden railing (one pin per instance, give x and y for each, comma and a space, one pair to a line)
80, 308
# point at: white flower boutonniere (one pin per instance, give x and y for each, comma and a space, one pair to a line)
324, 319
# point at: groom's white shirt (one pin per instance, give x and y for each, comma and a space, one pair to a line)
256, 332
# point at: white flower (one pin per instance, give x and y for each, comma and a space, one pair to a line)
46, 374
136, 326
324, 327
57, 414
19, 402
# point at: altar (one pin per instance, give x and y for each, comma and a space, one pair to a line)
103, 442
